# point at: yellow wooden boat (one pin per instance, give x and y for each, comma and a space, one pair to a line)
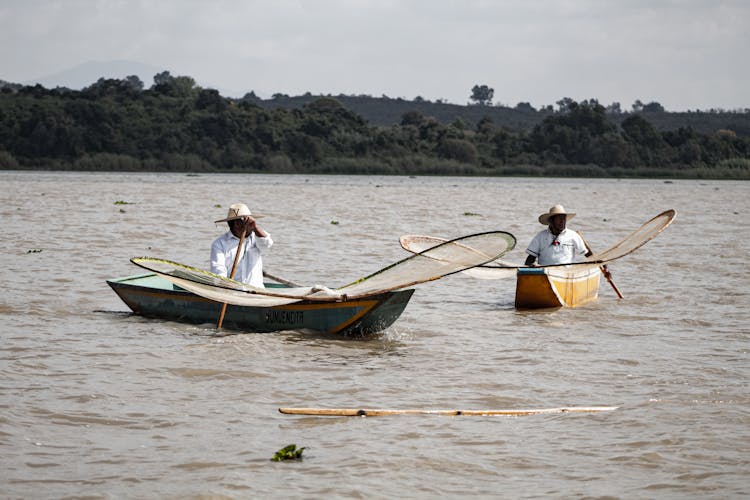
545, 287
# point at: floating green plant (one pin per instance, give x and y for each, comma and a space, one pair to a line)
470, 214
335, 222
290, 452
121, 202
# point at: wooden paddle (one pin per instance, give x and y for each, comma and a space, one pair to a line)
231, 276
603, 268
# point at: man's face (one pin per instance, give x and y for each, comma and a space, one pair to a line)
557, 222
236, 226
246, 223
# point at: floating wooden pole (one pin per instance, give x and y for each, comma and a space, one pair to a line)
353, 412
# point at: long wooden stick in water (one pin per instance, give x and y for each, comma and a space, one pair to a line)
231, 276
604, 269
354, 412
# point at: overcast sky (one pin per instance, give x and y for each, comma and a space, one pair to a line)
685, 54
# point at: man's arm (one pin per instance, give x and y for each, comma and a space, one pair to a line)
263, 240
251, 226
534, 249
583, 246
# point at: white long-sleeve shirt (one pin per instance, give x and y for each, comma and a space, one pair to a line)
250, 266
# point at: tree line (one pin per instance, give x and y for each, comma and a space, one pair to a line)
175, 125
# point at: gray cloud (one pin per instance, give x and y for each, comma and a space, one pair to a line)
685, 54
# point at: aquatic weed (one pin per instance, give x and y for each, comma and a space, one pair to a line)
290, 452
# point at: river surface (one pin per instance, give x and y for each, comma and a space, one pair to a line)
96, 402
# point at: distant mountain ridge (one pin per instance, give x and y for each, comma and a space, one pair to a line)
386, 111
89, 72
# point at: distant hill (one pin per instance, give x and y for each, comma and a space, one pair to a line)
386, 111
84, 75
87, 73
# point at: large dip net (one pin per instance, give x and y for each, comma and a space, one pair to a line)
647, 232
498, 269
440, 260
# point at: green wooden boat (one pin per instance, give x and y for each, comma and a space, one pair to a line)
152, 296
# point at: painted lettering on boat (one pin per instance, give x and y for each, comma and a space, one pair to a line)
285, 317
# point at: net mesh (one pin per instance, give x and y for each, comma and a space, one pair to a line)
225, 295
648, 231
441, 260
417, 243
496, 269
185, 272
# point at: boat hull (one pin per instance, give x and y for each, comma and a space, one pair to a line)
152, 296
540, 287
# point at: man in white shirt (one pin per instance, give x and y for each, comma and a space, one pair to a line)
556, 244
256, 241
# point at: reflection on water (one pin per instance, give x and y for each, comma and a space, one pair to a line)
99, 402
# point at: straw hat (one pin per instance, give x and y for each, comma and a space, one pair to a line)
556, 210
238, 211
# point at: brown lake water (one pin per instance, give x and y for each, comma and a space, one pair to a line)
98, 403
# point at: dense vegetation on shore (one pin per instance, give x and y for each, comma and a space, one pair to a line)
178, 126
387, 111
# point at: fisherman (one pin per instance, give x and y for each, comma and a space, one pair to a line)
556, 244
242, 225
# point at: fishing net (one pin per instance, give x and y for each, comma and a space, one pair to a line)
219, 288
498, 269
446, 258
229, 296
648, 231
441, 260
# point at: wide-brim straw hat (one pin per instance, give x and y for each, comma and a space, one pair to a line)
238, 211
556, 210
